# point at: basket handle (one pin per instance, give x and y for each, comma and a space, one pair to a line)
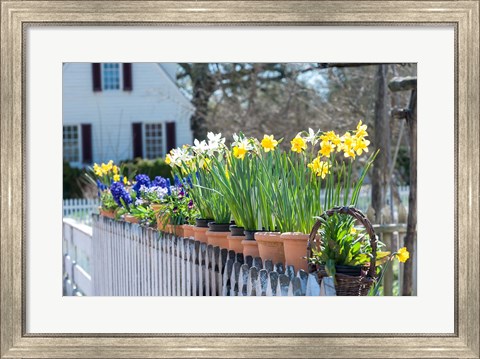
358, 215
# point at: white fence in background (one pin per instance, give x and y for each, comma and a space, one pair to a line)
80, 209
76, 250
131, 260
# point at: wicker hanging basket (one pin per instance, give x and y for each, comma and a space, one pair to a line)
346, 284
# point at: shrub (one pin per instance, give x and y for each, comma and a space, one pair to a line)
152, 168
72, 188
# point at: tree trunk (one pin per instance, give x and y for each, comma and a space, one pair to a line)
203, 88
381, 169
411, 236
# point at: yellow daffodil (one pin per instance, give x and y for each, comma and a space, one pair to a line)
319, 167
298, 144
402, 255
240, 151
268, 143
361, 145
168, 159
105, 168
125, 180
326, 147
116, 178
361, 130
348, 144
115, 170
98, 170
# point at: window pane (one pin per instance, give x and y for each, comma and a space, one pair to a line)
153, 140
111, 76
71, 149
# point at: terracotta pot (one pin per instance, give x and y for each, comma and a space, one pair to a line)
295, 249
250, 248
235, 243
130, 219
188, 231
199, 234
270, 246
217, 239
105, 213
176, 229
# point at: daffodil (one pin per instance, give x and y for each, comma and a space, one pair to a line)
168, 159
361, 145
298, 144
239, 151
319, 167
125, 180
115, 170
361, 130
326, 147
269, 143
98, 170
402, 255
116, 178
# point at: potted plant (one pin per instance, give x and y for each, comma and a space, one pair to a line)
103, 176
269, 241
236, 180
343, 252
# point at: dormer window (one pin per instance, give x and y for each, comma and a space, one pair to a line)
111, 76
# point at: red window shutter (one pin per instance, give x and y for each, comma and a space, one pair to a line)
127, 77
96, 77
87, 151
137, 139
171, 136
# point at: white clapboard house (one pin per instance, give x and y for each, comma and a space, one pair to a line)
122, 111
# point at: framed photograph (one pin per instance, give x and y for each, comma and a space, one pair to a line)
86, 72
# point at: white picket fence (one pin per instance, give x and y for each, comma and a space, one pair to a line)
76, 250
131, 260
80, 209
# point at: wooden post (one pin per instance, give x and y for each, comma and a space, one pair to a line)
410, 115
381, 169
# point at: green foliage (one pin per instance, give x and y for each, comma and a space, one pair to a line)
107, 202
72, 188
152, 168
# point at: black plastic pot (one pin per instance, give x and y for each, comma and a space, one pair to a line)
218, 227
235, 230
249, 235
202, 222
354, 271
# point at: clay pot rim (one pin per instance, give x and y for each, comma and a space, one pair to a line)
216, 234
237, 238
271, 237
294, 235
249, 242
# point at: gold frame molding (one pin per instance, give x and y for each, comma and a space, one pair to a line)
16, 15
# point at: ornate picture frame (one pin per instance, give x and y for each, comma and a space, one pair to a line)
17, 15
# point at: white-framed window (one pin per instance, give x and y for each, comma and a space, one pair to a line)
71, 143
153, 140
111, 76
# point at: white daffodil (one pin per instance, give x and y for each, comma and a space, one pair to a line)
200, 147
215, 142
312, 137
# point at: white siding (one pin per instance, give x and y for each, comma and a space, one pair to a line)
155, 98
